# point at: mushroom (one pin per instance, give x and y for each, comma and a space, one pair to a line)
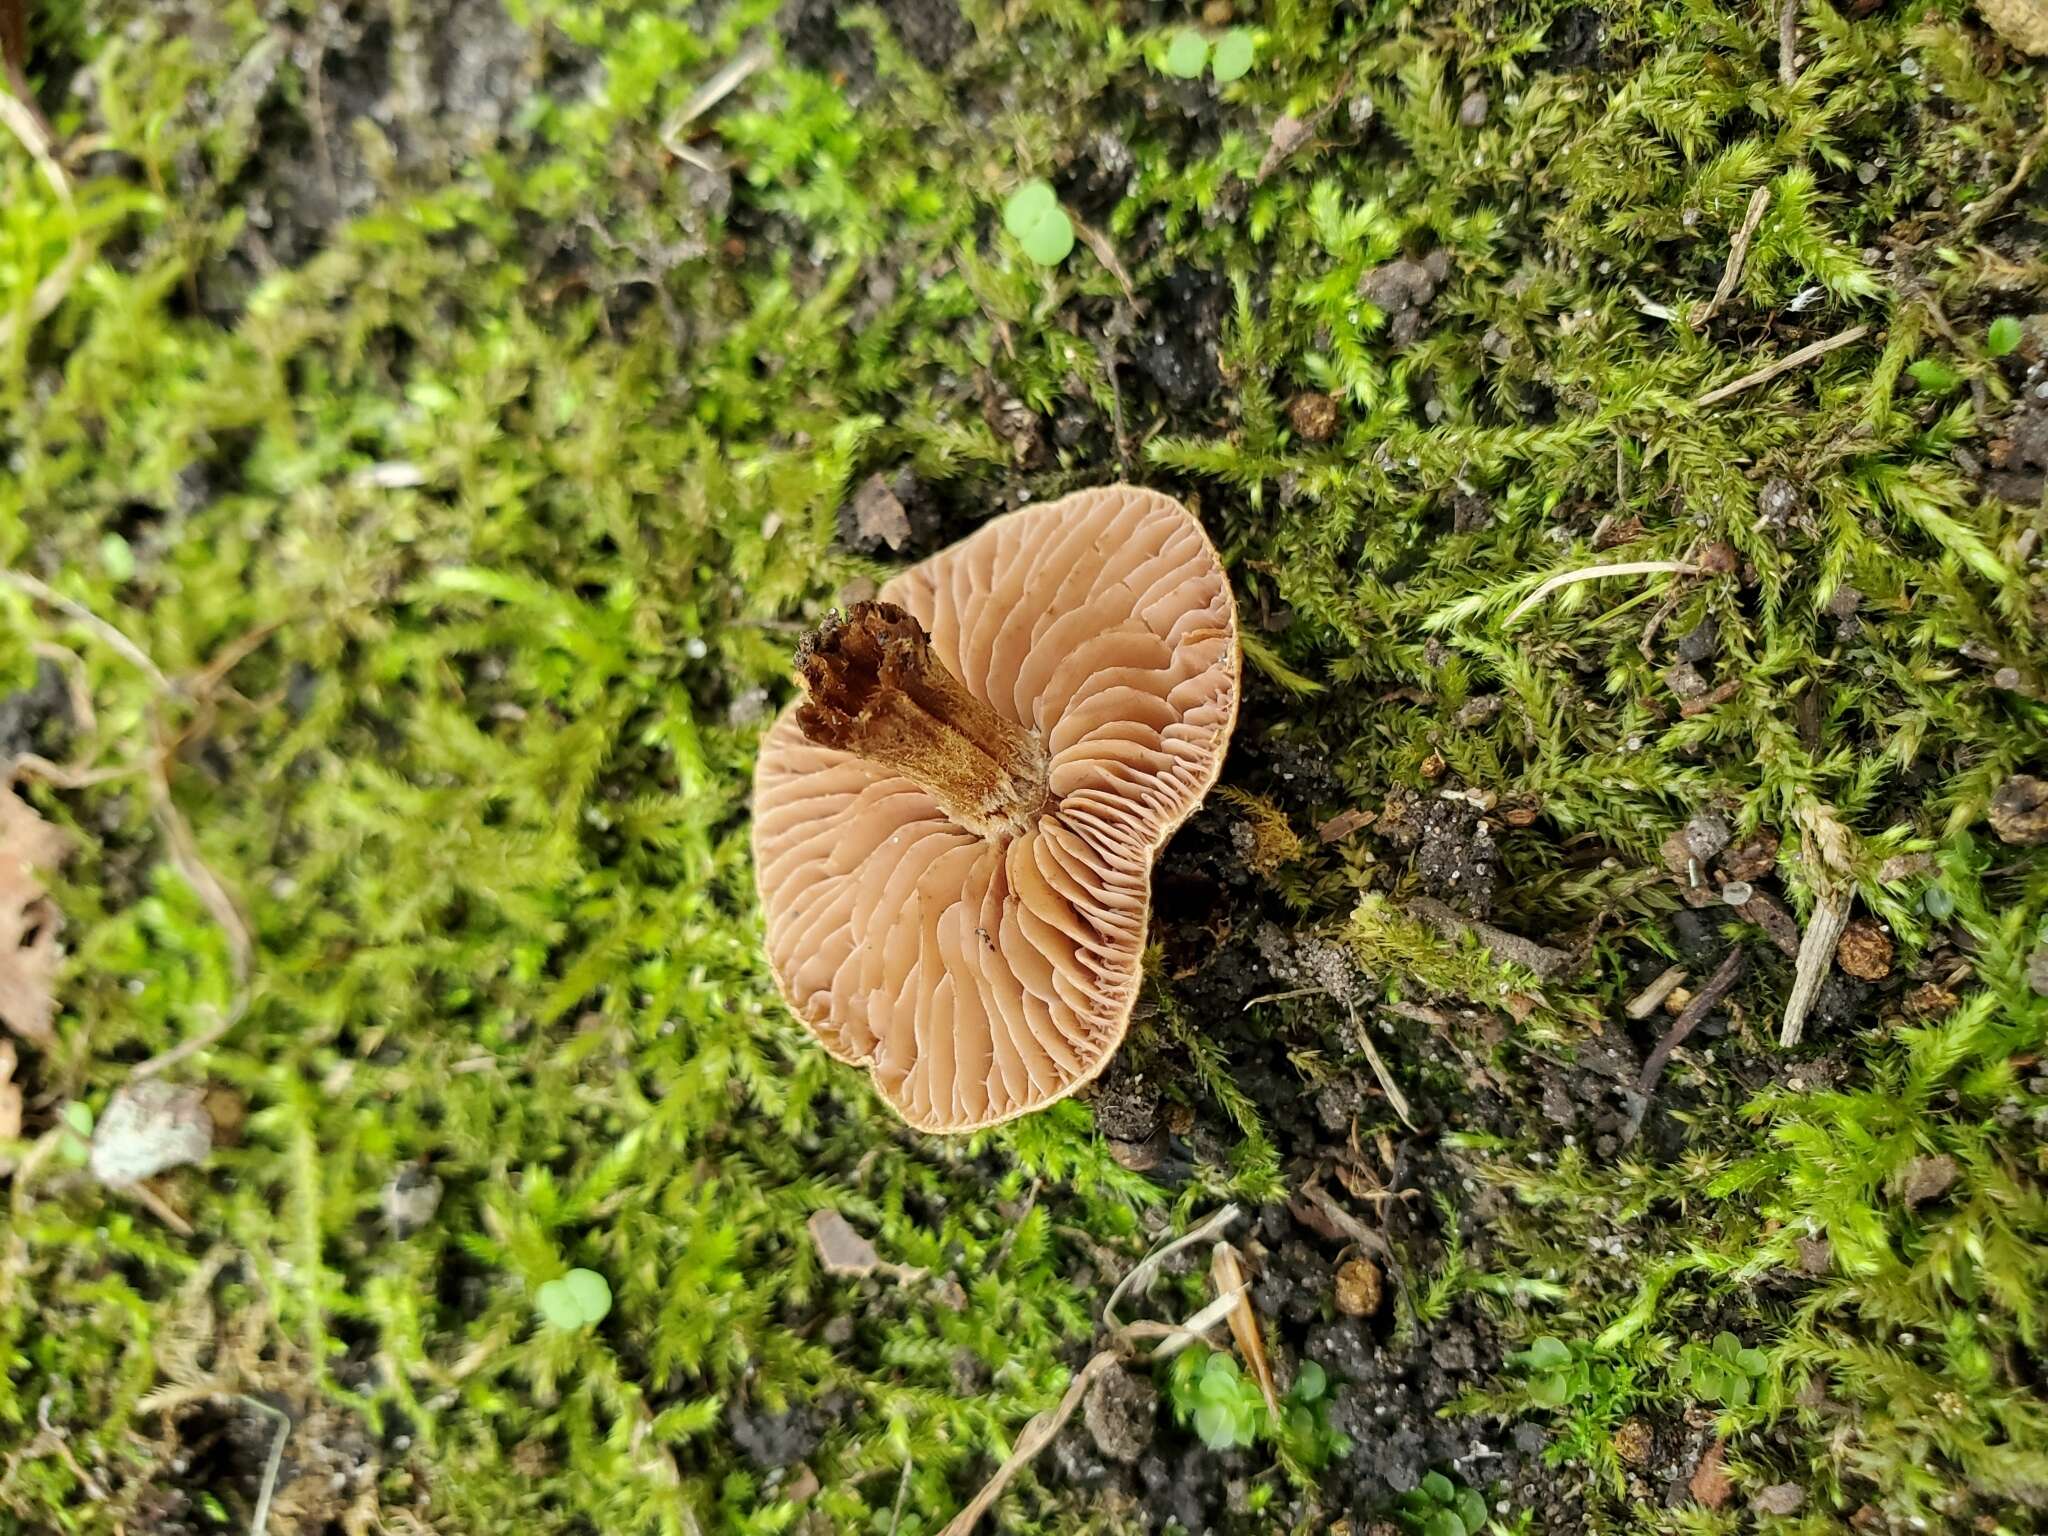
954, 829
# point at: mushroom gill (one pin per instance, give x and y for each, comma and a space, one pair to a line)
954, 830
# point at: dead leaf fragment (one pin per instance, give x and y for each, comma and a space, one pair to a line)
2019, 811
1226, 1273
1711, 1485
841, 1250
1344, 823
1927, 1178
1779, 1499
2022, 23
149, 1128
1864, 950
1286, 136
29, 921
877, 514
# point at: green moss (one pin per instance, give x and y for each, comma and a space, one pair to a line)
515, 484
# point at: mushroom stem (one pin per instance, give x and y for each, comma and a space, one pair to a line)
876, 690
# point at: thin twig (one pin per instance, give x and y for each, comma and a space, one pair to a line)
261, 1522
1989, 204
21, 119
1045, 1427
190, 1046
1784, 364
716, 89
1816, 953
72, 609
1388, 1086
1788, 43
1105, 253
902, 1492
1717, 987
1594, 572
1651, 998
1738, 248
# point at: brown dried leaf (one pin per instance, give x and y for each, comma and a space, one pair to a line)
1344, 823
29, 921
877, 514
1711, 1485
1226, 1272
1927, 1178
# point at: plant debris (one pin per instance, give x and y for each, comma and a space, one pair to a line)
149, 1128
29, 921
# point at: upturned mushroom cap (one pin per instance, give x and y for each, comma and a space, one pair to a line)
978, 945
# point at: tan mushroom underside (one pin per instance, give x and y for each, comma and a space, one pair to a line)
979, 979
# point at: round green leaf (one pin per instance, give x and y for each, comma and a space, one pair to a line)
1471, 1510
1216, 1425
1546, 1354
1440, 1489
1443, 1523
78, 1115
1737, 1393
1726, 1345
558, 1305
1310, 1382
1548, 1391
592, 1291
116, 558
1934, 376
2004, 336
1048, 241
1940, 903
1186, 54
1752, 1362
1233, 56
1029, 206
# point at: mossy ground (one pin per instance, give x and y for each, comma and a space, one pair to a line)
491, 414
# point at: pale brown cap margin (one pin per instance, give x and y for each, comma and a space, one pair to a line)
981, 978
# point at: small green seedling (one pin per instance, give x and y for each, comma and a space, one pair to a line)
1305, 1422
2003, 339
576, 1300
1186, 54
76, 1147
1722, 1372
1232, 58
1934, 376
1554, 1376
1440, 1507
1033, 214
1223, 1404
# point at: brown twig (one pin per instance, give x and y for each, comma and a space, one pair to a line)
1990, 203
1505, 948
1708, 997
1738, 248
1651, 998
1784, 364
1788, 43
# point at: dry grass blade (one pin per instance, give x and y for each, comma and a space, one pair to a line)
1709, 996
119, 643
1045, 1427
1738, 250
1784, 364
1565, 579
1226, 1273
721, 85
